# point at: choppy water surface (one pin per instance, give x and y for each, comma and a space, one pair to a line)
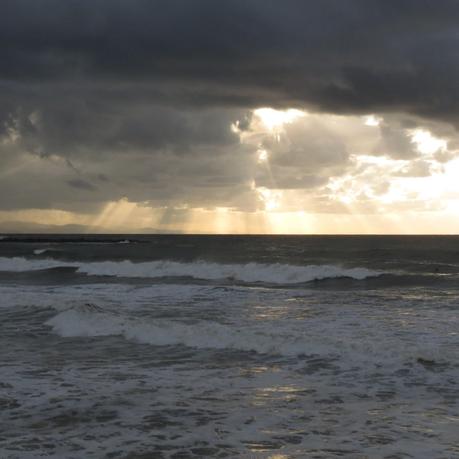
265, 347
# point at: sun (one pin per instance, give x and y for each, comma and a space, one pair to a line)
275, 119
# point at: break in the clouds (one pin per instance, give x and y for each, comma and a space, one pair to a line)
156, 104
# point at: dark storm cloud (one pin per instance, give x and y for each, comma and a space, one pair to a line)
356, 55
101, 99
54, 121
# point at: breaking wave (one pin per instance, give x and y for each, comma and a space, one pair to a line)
250, 272
19, 264
92, 321
89, 320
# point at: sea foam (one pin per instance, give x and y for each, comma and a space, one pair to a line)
289, 339
250, 272
92, 321
19, 264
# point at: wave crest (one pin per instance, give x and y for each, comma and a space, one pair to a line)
317, 339
248, 273
92, 321
19, 264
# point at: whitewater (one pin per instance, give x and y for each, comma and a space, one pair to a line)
250, 272
239, 347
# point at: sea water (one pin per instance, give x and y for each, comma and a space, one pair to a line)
228, 346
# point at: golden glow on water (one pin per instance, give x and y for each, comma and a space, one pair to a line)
268, 395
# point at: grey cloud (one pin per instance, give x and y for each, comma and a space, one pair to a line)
79, 126
418, 168
357, 56
395, 142
112, 98
286, 179
305, 156
207, 175
308, 145
144, 151
81, 184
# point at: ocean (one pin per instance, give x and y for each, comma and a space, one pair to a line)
274, 347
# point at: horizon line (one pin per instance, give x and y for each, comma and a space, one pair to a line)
8, 234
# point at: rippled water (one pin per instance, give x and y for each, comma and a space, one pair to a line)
200, 356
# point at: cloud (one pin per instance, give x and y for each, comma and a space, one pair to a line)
395, 142
361, 56
154, 100
80, 184
213, 160
418, 168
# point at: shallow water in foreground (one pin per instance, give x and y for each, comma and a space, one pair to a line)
177, 348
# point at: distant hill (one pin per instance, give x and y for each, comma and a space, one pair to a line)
19, 227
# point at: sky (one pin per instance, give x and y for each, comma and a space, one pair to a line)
231, 116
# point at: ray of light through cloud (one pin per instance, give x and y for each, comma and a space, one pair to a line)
181, 142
